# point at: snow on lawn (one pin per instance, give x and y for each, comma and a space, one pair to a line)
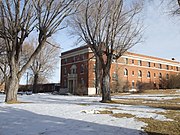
46, 114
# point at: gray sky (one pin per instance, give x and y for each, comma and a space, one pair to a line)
161, 36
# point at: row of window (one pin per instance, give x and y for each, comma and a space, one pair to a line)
74, 69
149, 64
148, 74
73, 59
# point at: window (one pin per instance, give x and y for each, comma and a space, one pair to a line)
139, 62
167, 76
125, 72
149, 64
73, 69
133, 84
171, 67
139, 73
82, 57
132, 73
65, 83
65, 71
167, 67
160, 76
154, 64
82, 68
154, 75
74, 59
160, 66
132, 61
148, 74
126, 61
177, 69
65, 61
82, 81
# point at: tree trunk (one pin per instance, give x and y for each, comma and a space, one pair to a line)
98, 73
106, 97
35, 83
11, 88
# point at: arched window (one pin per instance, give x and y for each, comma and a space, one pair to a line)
125, 72
148, 74
73, 69
139, 73
167, 76
160, 75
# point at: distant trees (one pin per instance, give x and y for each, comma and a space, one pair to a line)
44, 63
172, 83
18, 20
110, 28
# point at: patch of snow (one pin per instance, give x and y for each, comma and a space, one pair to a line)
46, 114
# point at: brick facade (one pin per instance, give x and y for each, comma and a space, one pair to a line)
78, 66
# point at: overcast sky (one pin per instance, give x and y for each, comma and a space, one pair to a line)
161, 37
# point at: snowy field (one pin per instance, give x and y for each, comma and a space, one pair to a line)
46, 114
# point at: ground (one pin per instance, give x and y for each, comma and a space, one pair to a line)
46, 114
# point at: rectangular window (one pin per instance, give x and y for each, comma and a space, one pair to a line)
82, 57
65, 83
149, 64
132, 61
65, 61
133, 84
139, 63
154, 64
177, 69
126, 61
160, 66
65, 71
132, 73
74, 59
167, 67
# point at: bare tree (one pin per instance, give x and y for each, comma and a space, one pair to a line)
44, 64
110, 28
19, 19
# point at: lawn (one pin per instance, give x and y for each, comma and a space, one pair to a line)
150, 113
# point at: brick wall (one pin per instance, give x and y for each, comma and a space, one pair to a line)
150, 68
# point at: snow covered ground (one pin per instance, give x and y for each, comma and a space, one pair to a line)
46, 114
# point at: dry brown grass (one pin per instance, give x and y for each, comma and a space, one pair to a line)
166, 91
172, 104
160, 91
156, 127
17, 102
105, 112
122, 115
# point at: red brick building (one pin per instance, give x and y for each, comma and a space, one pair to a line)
78, 70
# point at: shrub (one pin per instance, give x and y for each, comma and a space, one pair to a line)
141, 86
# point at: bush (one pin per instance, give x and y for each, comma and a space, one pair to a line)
141, 86
119, 86
174, 82
81, 90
